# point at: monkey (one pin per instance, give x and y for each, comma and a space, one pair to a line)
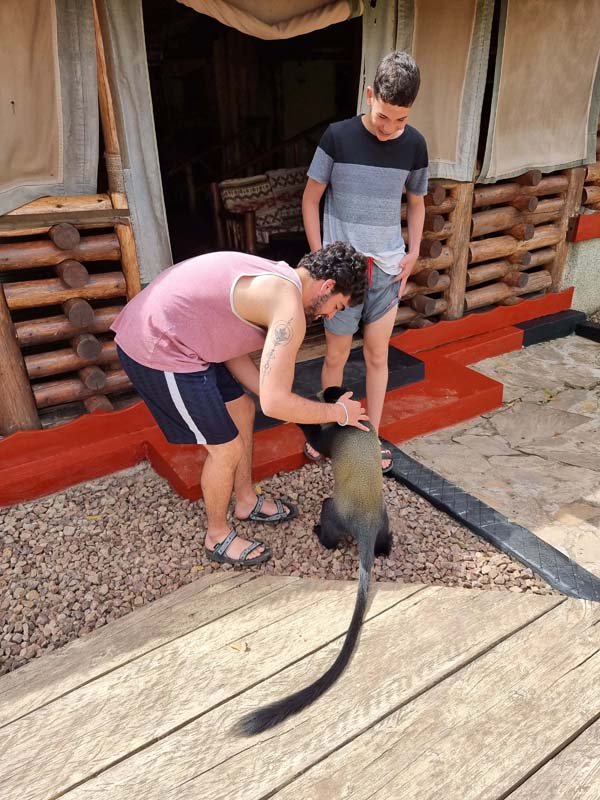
356, 508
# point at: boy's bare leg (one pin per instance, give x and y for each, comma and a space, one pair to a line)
337, 350
376, 342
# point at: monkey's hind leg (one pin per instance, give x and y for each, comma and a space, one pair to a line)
331, 527
383, 542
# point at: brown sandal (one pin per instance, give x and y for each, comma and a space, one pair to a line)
386, 455
312, 454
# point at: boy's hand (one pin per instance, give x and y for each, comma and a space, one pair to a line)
406, 267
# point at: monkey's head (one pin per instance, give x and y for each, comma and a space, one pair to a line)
332, 393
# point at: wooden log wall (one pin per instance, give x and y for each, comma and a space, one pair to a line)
67, 266
485, 245
426, 298
591, 187
62, 284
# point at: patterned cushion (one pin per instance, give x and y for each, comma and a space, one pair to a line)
287, 186
253, 194
246, 194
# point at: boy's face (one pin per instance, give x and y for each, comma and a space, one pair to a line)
385, 120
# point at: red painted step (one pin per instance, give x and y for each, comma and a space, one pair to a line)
34, 463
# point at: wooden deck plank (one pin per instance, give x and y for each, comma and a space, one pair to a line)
480, 731
85, 659
402, 652
106, 720
573, 774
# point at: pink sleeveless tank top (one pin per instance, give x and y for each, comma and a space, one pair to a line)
184, 319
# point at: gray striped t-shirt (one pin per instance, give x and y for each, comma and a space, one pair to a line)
365, 179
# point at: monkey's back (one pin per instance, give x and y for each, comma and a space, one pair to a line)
356, 465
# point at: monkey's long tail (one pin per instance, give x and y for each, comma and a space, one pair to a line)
271, 715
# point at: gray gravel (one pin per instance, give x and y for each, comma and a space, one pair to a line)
74, 561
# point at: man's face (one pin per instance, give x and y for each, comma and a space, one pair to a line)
384, 120
326, 304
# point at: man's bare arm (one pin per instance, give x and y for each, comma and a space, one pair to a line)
285, 334
246, 372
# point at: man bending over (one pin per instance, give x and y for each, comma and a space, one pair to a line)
185, 343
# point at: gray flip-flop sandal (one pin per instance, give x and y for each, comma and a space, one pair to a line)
285, 511
219, 553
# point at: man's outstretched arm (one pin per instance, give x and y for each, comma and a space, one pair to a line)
286, 332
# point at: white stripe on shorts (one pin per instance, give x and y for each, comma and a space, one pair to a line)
180, 406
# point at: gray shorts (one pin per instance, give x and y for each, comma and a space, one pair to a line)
381, 296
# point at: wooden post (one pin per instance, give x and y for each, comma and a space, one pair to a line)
427, 277
17, 406
64, 235
524, 203
98, 402
591, 195
72, 273
430, 248
458, 242
576, 178
93, 377
217, 207
522, 231
87, 346
531, 178
592, 172
118, 197
78, 312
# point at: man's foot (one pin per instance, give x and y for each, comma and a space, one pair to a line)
266, 511
387, 461
311, 453
233, 549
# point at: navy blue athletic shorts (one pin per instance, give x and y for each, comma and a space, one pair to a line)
189, 407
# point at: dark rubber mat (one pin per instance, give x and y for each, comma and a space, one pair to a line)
553, 326
403, 370
589, 330
557, 569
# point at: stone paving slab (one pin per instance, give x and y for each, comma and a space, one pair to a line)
536, 459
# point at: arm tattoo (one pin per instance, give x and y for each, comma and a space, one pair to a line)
282, 335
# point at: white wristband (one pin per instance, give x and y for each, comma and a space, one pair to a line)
345, 422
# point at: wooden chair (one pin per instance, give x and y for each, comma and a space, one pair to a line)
261, 213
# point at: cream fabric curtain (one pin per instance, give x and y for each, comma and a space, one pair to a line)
547, 87
48, 100
450, 42
128, 73
267, 20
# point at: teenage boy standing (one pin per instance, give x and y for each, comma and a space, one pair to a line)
363, 164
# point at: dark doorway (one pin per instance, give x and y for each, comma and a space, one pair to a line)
229, 105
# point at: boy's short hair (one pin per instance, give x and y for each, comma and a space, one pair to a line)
397, 79
345, 265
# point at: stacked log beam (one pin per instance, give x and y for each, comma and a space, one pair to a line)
518, 237
66, 265
424, 300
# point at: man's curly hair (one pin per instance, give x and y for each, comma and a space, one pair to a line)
342, 263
